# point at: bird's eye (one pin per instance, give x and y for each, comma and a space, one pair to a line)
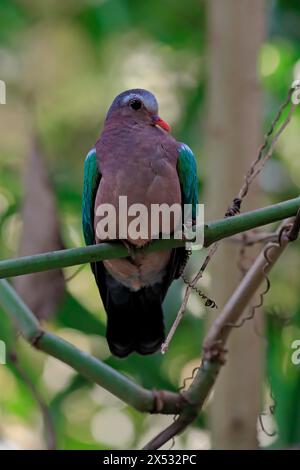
135, 104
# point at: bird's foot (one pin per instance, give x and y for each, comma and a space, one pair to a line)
130, 249
188, 230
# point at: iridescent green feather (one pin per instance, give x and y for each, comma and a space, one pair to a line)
90, 185
187, 172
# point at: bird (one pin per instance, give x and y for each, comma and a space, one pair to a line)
136, 156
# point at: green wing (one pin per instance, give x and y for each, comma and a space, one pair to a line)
90, 186
187, 172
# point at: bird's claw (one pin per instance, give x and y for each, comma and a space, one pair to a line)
130, 249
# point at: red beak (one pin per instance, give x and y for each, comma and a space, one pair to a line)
161, 123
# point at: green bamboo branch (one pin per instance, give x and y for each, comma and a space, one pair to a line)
98, 372
215, 340
213, 231
186, 403
88, 366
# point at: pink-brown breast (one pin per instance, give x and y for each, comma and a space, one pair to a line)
138, 162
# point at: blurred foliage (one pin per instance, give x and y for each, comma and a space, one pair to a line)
284, 374
63, 62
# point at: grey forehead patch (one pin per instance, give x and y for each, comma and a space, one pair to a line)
145, 96
132, 96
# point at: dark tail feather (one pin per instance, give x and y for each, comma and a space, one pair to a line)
136, 324
120, 329
134, 319
120, 319
150, 331
148, 306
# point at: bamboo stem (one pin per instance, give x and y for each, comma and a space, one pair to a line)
213, 231
88, 366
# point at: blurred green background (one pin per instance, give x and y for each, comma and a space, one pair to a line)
63, 63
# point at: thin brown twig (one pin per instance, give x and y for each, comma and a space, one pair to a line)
248, 286
292, 235
294, 232
259, 164
242, 257
214, 343
284, 321
196, 395
262, 294
252, 237
187, 293
241, 263
271, 410
255, 168
208, 301
74, 274
263, 428
216, 338
177, 427
291, 231
249, 175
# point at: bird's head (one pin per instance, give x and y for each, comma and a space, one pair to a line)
139, 104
